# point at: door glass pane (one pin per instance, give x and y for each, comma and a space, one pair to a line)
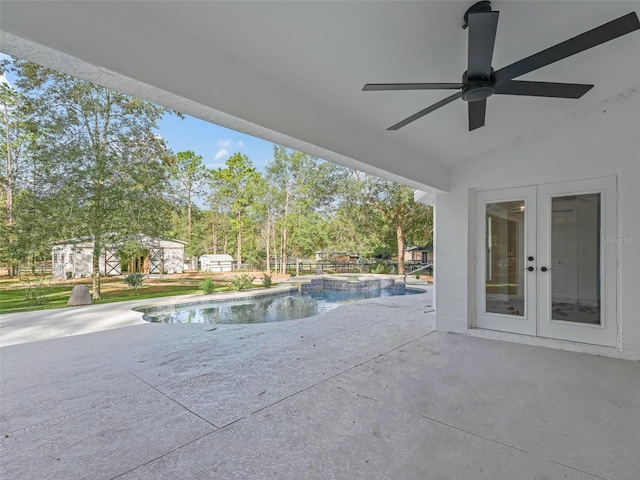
504, 282
575, 258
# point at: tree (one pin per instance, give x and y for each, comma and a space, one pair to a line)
309, 233
16, 134
267, 212
392, 207
219, 213
104, 165
350, 231
237, 184
190, 176
302, 185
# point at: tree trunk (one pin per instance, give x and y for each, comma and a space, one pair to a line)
268, 250
239, 245
400, 237
189, 218
284, 250
214, 235
9, 189
96, 271
275, 248
284, 233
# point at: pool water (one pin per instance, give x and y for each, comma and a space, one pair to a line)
269, 309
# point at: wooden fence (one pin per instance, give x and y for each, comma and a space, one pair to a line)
368, 266
38, 268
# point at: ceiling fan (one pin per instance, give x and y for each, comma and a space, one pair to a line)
480, 81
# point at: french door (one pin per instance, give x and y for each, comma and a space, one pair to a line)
544, 264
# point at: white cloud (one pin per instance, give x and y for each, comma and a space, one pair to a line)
223, 152
224, 143
240, 143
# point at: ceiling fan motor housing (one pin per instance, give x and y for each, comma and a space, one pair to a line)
474, 90
477, 91
480, 7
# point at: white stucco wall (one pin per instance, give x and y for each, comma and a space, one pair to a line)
602, 142
81, 264
174, 259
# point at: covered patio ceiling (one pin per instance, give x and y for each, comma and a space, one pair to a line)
293, 72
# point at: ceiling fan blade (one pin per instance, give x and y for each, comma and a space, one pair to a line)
370, 87
543, 89
482, 38
422, 113
592, 38
477, 111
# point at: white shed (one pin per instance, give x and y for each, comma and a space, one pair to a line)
216, 263
73, 258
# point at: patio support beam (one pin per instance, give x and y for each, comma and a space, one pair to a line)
237, 97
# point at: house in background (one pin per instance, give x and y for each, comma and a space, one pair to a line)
537, 226
417, 254
74, 258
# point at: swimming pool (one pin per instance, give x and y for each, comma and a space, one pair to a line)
286, 306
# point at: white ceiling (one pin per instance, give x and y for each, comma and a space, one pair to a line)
292, 72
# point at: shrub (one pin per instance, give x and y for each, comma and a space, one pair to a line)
207, 286
266, 280
35, 289
33, 295
134, 280
380, 268
242, 282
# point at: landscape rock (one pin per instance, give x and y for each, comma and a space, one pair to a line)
79, 296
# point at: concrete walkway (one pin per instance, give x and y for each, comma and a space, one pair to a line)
367, 391
24, 327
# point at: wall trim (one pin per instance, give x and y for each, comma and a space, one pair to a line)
552, 343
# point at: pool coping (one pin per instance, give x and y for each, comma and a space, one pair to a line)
230, 297
218, 298
292, 284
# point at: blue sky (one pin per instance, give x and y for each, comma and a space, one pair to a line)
213, 143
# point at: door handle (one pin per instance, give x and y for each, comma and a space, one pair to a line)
531, 269
544, 269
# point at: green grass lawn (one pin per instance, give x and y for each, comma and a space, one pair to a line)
15, 299
53, 293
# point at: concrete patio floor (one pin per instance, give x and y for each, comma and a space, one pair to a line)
367, 391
